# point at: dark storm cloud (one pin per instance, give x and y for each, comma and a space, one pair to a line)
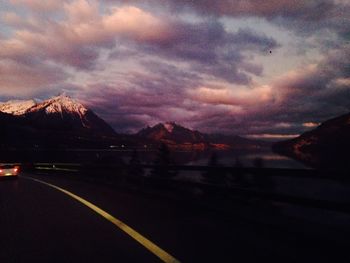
267, 8
165, 77
310, 94
214, 51
142, 98
77, 42
303, 16
324, 16
313, 94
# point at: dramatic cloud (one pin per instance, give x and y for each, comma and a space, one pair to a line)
39, 5
214, 51
36, 77
227, 96
268, 8
75, 42
264, 68
300, 15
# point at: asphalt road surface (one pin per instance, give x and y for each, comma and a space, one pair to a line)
41, 224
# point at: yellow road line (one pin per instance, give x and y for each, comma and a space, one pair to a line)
163, 255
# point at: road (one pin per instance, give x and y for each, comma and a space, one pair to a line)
39, 223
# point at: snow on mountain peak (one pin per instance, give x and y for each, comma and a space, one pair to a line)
57, 104
64, 102
60, 104
169, 126
17, 107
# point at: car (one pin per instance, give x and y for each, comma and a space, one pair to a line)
9, 170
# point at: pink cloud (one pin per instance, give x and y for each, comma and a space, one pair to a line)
267, 8
177, 60
244, 7
36, 77
39, 5
232, 96
81, 11
11, 19
310, 124
137, 24
342, 82
76, 41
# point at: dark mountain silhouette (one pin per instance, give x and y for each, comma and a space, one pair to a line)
172, 133
175, 135
326, 146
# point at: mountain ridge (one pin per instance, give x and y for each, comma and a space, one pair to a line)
326, 146
63, 120
60, 113
177, 136
16, 107
171, 131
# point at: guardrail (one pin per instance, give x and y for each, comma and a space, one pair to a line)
257, 187
334, 175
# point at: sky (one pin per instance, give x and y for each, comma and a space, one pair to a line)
264, 69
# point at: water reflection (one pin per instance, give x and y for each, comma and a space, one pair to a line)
229, 158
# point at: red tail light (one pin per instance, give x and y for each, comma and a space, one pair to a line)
0, 171
15, 170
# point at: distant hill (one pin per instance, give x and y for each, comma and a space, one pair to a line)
177, 136
326, 146
172, 133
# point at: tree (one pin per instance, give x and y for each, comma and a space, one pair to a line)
135, 169
237, 173
213, 175
162, 162
163, 155
258, 163
262, 180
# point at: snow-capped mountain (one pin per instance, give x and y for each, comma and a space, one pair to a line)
59, 104
60, 113
16, 107
64, 113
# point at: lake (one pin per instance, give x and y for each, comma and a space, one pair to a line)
227, 158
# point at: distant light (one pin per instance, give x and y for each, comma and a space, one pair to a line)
310, 124
1, 171
15, 169
123, 146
